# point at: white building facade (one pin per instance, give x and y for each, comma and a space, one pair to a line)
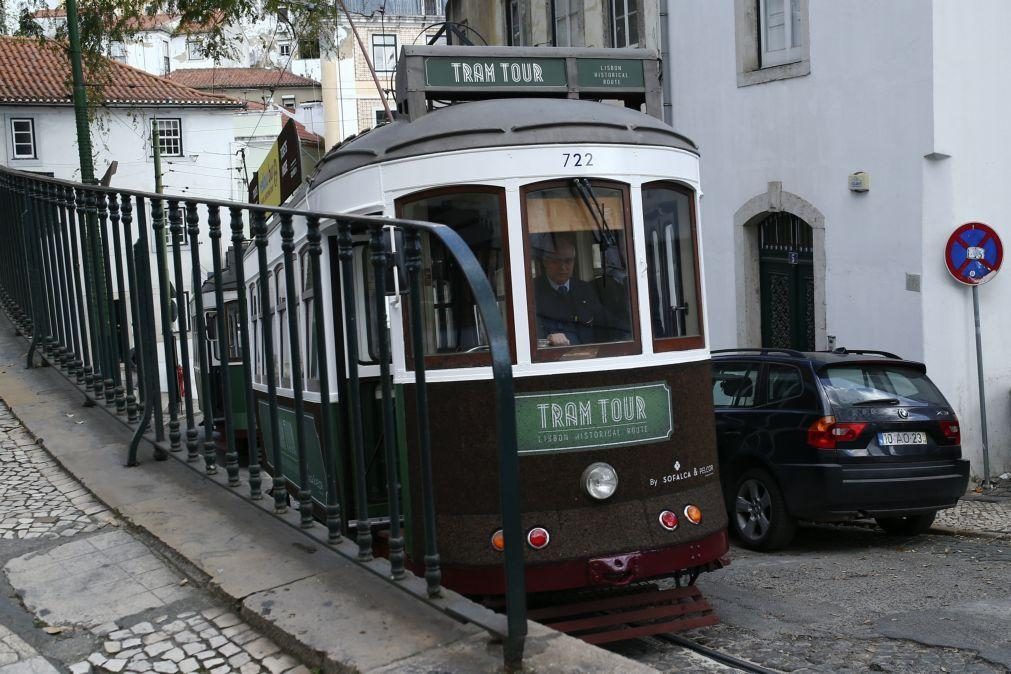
786, 99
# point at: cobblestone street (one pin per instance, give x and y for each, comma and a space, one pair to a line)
83, 595
848, 598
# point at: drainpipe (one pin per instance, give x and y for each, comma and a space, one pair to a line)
666, 72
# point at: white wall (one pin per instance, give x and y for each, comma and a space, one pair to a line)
970, 102
863, 107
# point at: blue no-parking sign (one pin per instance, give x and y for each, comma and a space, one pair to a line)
974, 253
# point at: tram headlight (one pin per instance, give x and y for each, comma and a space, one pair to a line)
600, 480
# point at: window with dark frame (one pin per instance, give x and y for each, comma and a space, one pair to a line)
170, 137
516, 24
23, 138
282, 357
453, 331
672, 266
734, 384
194, 49
233, 346
384, 52
625, 23
568, 23
311, 348
579, 291
782, 383
285, 48
254, 341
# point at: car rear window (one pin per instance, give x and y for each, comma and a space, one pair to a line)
848, 385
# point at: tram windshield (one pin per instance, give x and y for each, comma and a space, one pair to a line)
452, 323
579, 287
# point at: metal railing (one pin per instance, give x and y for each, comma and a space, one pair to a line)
77, 275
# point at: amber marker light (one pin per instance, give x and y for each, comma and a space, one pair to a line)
498, 540
694, 514
668, 520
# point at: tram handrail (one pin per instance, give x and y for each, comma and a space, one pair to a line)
67, 303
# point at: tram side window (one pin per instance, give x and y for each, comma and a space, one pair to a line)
452, 325
311, 353
580, 291
232, 324
282, 357
254, 341
668, 215
211, 328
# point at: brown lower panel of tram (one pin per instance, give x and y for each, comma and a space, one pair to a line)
600, 572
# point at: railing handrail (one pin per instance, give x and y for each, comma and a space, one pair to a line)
85, 207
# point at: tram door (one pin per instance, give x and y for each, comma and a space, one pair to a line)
786, 268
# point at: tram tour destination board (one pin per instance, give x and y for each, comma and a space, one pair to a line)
442, 71
559, 421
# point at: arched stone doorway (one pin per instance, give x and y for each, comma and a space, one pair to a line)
786, 271
748, 221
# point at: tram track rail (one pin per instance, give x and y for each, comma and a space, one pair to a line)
714, 655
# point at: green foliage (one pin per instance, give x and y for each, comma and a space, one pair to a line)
106, 21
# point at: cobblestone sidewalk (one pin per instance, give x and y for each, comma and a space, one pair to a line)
38, 499
100, 600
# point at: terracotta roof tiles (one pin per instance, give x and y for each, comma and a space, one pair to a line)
238, 78
35, 73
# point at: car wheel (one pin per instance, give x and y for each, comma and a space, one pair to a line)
906, 526
758, 514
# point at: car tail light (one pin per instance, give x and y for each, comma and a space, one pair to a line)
826, 432
498, 540
694, 514
668, 520
952, 433
538, 537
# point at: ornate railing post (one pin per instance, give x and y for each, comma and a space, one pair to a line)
168, 340
319, 322
206, 389
363, 526
238, 246
433, 572
280, 486
231, 456
381, 257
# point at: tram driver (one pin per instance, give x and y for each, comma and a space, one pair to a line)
569, 310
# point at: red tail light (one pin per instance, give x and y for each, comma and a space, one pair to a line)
668, 520
538, 537
826, 432
952, 433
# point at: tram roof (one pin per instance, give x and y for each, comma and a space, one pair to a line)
499, 123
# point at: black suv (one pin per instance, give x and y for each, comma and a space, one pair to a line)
832, 436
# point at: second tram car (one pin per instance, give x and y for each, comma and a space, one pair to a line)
584, 217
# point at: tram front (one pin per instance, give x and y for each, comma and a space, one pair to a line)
583, 216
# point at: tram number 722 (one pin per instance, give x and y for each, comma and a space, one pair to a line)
577, 159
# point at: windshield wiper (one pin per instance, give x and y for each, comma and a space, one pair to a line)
877, 401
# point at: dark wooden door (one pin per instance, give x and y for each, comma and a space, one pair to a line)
786, 268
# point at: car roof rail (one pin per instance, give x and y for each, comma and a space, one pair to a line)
761, 351
865, 352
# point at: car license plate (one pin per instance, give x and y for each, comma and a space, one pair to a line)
902, 438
